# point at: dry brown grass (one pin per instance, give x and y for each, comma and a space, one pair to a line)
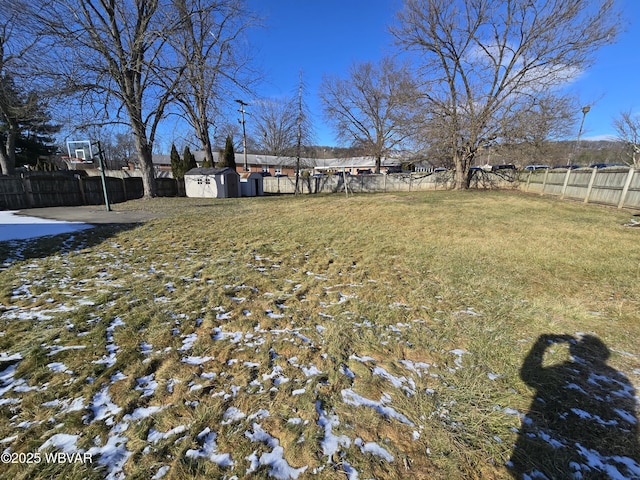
398, 278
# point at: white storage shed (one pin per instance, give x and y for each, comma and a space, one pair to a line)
212, 183
251, 184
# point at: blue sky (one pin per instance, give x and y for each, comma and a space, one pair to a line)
321, 37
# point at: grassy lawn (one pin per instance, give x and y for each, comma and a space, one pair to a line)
377, 336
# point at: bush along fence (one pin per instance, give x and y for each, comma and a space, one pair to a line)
71, 188
615, 186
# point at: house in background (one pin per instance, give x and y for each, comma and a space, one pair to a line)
355, 165
212, 183
270, 165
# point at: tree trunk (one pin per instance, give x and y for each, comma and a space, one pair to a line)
378, 163
461, 177
205, 140
8, 154
145, 158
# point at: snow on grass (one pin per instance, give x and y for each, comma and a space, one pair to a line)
147, 385
155, 436
195, 360
62, 441
102, 408
112, 349
113, 455
330, 443
352, 398
279, 468
142, 413
238, 376
188, 342
374, 449
209, 449
59, 367
232, 415
402, 383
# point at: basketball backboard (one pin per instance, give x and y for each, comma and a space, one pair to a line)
80, 150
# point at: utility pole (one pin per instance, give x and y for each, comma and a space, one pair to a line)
299, 140
244, 134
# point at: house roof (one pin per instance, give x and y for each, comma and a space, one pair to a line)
305, 162
210, 171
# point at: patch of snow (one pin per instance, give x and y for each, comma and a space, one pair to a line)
142, 413
59, 367
232, 414
331, 442
374, 449
188, 342
113, 456
147, 385
403, 383
61, 441
33, 227
196, 360
162, 471
352, 398
102, 407
279, 467
209, 449
155, 436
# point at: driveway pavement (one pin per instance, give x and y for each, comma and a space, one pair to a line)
93, 214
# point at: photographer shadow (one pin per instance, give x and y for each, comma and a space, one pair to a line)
582, 422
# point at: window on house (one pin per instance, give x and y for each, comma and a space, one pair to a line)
199, 181
207, 181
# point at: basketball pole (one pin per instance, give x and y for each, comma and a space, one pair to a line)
102, 176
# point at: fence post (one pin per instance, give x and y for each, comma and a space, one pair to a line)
591, 181
544, 181
83, 195
566, 182
26, 185
625, 189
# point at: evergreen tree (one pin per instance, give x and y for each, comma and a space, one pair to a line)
176, 163
188, 160
26, 131
228, 155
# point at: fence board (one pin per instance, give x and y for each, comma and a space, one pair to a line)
604, 186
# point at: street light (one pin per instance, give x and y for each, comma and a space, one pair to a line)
244, 134
585, 110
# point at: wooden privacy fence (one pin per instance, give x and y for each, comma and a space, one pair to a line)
616, 186
357, 183
70, 188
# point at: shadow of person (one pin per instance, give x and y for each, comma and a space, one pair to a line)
582, 422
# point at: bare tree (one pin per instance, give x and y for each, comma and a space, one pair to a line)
374, 109
274, 126
627, 126
487, 62
117, 57
210, 45
273, 123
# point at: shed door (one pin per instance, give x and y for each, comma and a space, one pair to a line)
232, 187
